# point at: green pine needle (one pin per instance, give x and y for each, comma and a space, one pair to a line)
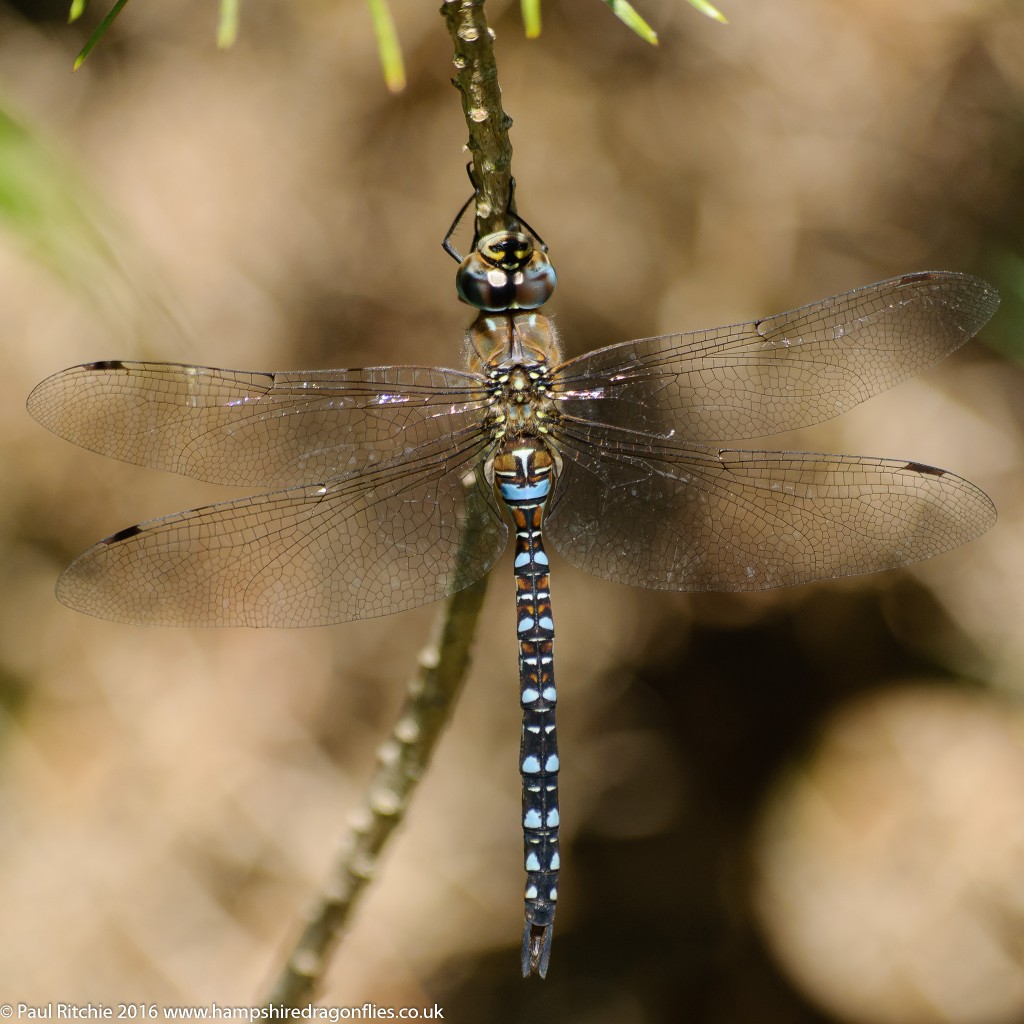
227, 23
531, 17
712, 12
387, 45
624, 11
101, 28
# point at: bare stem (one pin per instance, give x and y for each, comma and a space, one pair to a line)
476, 78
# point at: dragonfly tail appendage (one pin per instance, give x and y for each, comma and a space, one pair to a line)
537, 948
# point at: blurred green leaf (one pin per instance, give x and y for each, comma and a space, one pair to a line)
65, 227
40, 205
227, 23
76, 11
101, 28
387, 45
1005, 268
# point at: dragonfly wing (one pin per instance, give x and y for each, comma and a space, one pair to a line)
255, 429
782, 372
394, 538
669, 516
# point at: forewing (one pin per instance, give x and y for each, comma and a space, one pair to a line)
406, 533
255, 429
666, 515
782, 372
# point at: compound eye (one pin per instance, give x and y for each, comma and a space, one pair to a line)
535, 283
481, 283
506, 271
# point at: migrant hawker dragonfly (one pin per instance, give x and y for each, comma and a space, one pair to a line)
623, 458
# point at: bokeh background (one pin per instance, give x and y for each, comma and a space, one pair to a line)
806, 805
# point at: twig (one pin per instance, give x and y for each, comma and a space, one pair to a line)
431, 695
476, 78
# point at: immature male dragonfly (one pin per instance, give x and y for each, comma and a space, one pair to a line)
621, 457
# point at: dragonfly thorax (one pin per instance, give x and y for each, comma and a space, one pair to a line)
501, 341
505, 271
521, 403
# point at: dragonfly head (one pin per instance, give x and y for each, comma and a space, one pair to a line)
505, 271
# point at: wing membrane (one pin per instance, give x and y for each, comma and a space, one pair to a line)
666, 515
394, 538
255, 429
782, 372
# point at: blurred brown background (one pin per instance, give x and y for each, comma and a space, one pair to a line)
806, 805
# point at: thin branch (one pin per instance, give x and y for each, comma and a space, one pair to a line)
476, 78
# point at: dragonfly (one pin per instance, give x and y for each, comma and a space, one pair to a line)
624, 458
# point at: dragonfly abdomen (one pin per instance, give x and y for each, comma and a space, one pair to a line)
524, 477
